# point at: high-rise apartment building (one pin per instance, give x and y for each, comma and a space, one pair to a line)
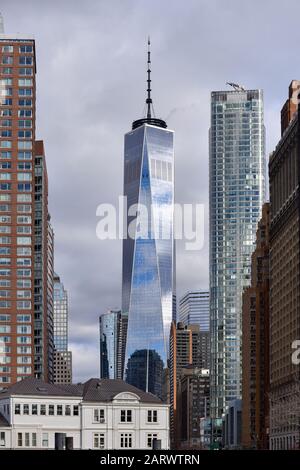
255, 347
194, 309
148, 250
25, 313
284, 177
62, 360
110, 327
237, 192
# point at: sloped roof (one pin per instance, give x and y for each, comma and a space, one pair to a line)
94, 390
3, 421
106, 389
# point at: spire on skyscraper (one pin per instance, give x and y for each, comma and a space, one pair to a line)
153, 121
149, 99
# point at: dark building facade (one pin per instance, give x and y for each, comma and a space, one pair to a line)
193, 404
255, 344
285, 283
188, 347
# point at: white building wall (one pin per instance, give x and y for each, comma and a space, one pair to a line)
83, 426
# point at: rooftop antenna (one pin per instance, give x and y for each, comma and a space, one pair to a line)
1, 24
236, 86
149, 99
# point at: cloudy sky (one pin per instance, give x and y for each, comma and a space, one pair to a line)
91, 71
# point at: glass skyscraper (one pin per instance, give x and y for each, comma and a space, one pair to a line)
148, 254
110, 337
194, 309
237, 193
62, 358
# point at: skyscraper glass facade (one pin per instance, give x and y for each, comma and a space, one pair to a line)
148, 255
110, 337
237, 193
60, 315
194, 309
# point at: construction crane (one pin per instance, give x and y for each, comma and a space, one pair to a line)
236, 86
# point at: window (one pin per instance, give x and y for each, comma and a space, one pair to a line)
20, 439
25, 49
7, 60
5, 154
17, 409
126, 440
126, 416
24, 329
24, 145
24, 198
6, 70
43, 410
23, 176
28, 71
25, 91
6, 101
33, 439
24, 82
45, 439
99, 415
24, 102
150, 439
2, 439
59, 410
6, 144
23, 241
23, 60
75, 410
25, 409
34, 409
152, 416
68, 410
98, 441
27, 441
8, 48
22, 187
51, 410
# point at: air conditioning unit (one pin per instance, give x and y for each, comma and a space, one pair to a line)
102, 420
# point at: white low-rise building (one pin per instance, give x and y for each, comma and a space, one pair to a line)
98, 414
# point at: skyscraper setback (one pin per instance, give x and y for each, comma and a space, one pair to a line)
237, 192
148, 257
26, 237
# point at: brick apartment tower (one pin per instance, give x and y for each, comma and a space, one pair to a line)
255, 344
26, 237
284, 176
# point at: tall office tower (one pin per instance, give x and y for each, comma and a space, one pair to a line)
237, 192
194, 309
43, 269
25, 342
148, 250
188, 346
284, 178
255, 344
62, 358
110, 338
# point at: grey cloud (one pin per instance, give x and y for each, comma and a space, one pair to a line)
91, 85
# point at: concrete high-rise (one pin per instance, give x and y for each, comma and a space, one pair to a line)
237, 193
194, 309
284, 177
148, 250
26, 344
62, 364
